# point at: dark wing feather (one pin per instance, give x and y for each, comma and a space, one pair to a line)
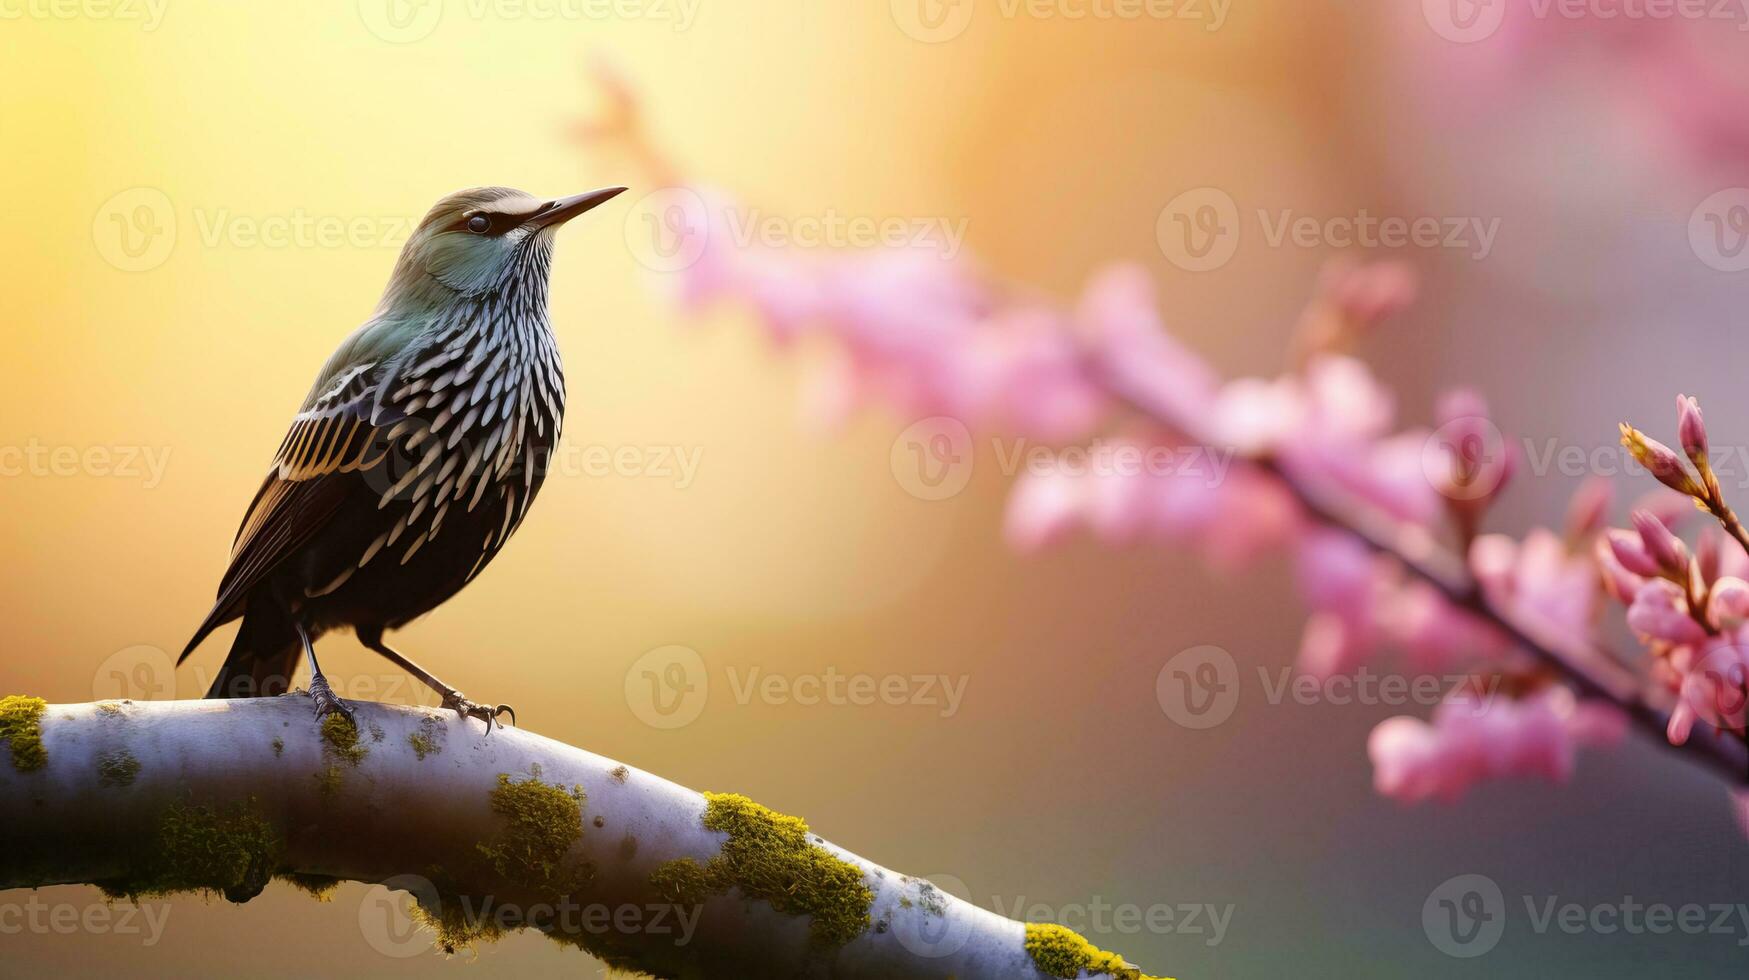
316, 468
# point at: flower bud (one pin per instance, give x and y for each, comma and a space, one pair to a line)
1628, 550
1660, 459
1692, 429
1728, 603
1662, 545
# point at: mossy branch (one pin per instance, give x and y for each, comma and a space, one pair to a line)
486, 834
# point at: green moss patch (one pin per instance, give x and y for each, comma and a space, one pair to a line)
230, 850
340, 736
428, 740
541, 824
768, 856
319, 887
21, 729
117, 768
1062, 952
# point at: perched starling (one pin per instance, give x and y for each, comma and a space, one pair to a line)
415, 456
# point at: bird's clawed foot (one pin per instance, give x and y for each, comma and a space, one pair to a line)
327, 702
468, 709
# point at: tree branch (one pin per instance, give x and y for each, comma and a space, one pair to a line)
488, 833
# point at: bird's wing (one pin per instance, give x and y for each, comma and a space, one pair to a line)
333, 440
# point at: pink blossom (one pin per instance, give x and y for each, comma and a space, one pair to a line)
1119, 317
1473, 738
1344, 584
1728, 602
1714, 688
1537, 579
1629, 551
1660, 612
1437, 635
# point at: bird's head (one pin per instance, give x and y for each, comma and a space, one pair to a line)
482, 240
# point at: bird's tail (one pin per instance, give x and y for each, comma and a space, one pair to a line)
262, 658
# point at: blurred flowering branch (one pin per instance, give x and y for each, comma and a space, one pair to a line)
1385, 524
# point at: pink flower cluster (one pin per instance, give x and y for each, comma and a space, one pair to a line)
1689, 607
929, 336
1474, 736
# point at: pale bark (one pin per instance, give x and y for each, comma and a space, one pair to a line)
81, 818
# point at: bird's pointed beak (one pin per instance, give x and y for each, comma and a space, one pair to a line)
565, 208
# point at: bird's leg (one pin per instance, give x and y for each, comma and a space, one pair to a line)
326, 701
452, 698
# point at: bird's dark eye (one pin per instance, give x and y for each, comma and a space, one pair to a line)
479, 224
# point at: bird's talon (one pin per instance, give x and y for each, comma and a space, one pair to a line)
468, 709
327, 702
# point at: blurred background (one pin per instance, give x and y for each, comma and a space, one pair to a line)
201, 199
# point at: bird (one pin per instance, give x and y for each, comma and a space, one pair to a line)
415, 456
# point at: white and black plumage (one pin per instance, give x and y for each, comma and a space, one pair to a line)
416, 455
